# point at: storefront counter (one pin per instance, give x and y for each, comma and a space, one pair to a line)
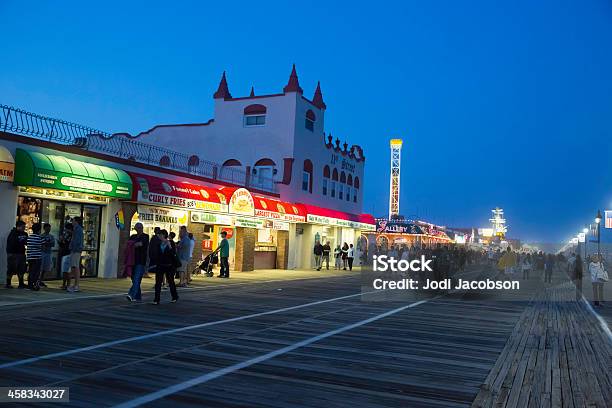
265, 257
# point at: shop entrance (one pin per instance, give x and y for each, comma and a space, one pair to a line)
57, 214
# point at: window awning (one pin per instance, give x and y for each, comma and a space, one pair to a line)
160, 191
60, 173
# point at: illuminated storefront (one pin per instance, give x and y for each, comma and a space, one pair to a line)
54, 189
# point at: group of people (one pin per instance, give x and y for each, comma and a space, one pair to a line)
32, 253
597, 271
343, 255
167, 259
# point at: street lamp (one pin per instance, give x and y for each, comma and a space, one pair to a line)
585, 230
598, 222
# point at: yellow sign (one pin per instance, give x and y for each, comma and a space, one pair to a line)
242, 202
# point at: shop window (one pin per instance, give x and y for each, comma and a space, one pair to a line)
307, 176
255, 115
310, 120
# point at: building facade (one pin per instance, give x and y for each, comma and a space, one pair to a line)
276, 144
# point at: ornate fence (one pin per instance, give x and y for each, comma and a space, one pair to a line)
40, 127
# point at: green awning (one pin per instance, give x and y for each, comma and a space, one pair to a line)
58, 172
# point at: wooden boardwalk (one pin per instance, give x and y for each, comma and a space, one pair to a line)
557, 356
450, 351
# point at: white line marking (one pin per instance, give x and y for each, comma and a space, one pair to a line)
173, 389
170, 331
74, 297
602, 322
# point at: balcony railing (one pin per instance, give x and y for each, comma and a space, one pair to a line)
40, 127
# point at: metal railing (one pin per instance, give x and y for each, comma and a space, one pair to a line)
40, 127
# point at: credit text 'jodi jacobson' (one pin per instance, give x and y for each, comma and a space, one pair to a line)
410, 284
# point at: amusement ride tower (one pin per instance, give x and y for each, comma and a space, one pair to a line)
394, 181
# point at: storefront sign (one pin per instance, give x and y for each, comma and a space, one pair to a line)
384, 226
7, 165
207, 218
248, 223
318, 219
159, 215
242, 202
179, 202
57, 172
276, 225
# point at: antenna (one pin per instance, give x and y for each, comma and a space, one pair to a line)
394, 180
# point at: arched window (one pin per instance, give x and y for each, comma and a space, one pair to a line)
310, 120
164, 161
255, 115
230, 171
307, 176
263, 172
341, 187
326, 174
334, 182
193, 163
355, 189
231, 163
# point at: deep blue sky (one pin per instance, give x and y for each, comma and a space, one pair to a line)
506, 104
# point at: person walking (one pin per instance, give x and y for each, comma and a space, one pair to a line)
575, 262
338, 257
599, 276
526, 266
34, 256
350, 256
182, 249
165, 259
154, 243
48, 245
345, 249
549, 265
63, 254
16, 255
223, 249
318, 254
326, 252
76, 247
141, 253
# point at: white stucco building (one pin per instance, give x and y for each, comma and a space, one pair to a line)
278, 140
272, 144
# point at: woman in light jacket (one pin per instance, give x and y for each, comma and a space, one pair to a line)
598, 277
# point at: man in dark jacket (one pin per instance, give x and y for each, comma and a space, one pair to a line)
141, 254
318, 253
16, 254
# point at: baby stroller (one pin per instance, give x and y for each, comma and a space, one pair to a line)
206, 266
